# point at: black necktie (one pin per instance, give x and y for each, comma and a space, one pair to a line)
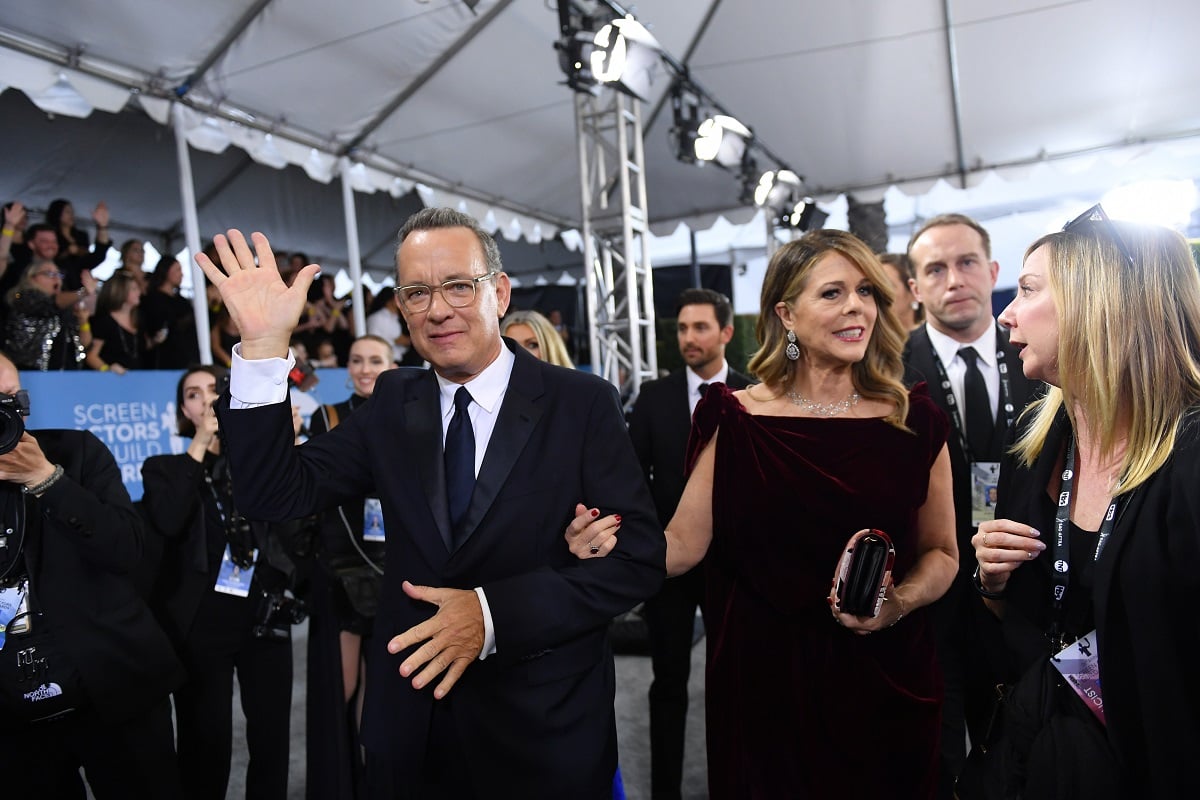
702, 389
460, 459
978, 413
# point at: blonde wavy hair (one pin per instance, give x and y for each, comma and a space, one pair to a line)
879, 375
550, 344
1129, 342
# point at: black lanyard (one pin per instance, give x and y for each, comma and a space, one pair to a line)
1006, 403
1061, 548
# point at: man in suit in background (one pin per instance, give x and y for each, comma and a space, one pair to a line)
479, 464
964, 355
659, 425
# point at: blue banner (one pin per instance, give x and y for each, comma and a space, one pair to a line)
134, 413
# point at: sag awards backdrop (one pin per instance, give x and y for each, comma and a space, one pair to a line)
134, 413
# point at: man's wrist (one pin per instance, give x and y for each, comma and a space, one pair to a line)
267, 347
48, 479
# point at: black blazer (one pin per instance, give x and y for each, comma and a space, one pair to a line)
85, 541
659, 425
536, 717
919, 365
1144, 601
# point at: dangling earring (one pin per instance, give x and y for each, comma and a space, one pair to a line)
916, 305
793, 350
349, 383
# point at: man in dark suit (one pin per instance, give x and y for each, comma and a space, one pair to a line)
659, 425
70, 541
479, 464
954, 278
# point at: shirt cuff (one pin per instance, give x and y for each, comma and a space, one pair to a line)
489, 632
258, 382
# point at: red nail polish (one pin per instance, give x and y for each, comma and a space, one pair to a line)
595, 512
617, 517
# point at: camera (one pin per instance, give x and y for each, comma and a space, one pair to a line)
13, 409
276, 613
302, 376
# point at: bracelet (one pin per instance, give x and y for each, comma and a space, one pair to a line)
38, 489
983, 591
7, 232
105, 367
85, 327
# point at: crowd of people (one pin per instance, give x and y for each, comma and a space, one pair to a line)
462, 536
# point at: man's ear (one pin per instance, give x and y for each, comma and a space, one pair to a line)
503, 293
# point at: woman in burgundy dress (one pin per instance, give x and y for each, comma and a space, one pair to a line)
804, 701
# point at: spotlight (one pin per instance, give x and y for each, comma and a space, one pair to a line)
626, 55
685, 108
777, 190
574, 58
722, 140
806, 216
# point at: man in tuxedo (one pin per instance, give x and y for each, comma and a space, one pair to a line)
70, 542
490, 672
659, 425
964, 355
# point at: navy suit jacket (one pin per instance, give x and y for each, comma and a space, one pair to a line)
536, 717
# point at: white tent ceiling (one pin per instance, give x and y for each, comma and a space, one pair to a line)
464, 101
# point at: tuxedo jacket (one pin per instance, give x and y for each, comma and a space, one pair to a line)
919, 365
535, 718
659, 425
84, 542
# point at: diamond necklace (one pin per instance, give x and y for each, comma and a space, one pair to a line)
824, 409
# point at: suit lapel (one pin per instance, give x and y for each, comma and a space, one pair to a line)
519, 415
423, 428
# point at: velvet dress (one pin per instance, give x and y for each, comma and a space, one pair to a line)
798, 706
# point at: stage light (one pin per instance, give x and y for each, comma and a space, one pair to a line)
574, 59
777, 190
806, 216
627, 56
685, 111
722, 140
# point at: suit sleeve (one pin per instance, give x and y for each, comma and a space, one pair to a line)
92, 508
549, 606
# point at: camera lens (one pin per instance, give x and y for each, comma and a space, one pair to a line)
12, 427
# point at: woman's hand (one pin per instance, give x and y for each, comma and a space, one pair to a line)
891, 611
206, 435
264, 308
1001, 546
591, 536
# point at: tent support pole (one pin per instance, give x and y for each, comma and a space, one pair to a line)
191, 227
352, 252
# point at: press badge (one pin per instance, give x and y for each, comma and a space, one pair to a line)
984, 477
235, 580
11, 600
1079, 664
372, 520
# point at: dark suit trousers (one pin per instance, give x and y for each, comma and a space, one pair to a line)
131, 760
670, 620
447, 771
219, 643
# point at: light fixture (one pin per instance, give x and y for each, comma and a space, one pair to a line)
722, 140
685, 111
777, 190
806, 216
627, 56
574, 47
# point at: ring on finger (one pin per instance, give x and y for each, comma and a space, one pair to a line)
593, 549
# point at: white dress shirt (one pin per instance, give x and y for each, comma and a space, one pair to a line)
694, 381
956, 369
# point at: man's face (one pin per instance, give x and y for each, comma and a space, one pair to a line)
954, 280
44, 245
458, 342
702, 340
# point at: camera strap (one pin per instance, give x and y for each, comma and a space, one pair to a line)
12, 538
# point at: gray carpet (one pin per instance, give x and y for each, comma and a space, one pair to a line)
633, 730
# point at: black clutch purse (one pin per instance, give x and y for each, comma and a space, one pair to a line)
863, 573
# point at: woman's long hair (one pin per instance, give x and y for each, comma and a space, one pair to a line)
550, 344
879, 375
1129, 342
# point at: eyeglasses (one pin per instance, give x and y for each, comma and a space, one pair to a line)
1096, 215
49, 274
458, 292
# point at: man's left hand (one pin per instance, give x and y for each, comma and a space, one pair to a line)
453, 637
26, 464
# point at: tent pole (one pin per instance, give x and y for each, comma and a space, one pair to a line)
191, 227
352, 252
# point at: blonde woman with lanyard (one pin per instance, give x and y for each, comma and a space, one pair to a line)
1092, 556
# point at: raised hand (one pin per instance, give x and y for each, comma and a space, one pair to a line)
264, 308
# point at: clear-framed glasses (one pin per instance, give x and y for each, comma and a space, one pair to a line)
458, 292
52, 273
1096, 216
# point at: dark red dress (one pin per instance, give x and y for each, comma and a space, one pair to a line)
798, 706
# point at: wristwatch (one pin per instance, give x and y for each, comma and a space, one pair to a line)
983, 591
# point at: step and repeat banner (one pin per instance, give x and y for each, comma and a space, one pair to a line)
134, 413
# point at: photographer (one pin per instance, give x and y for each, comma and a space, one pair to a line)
226, 592
84, 668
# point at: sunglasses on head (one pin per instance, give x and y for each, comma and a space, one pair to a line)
1095, 216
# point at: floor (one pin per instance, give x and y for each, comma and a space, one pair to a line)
633, 681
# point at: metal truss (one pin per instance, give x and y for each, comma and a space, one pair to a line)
620, 292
